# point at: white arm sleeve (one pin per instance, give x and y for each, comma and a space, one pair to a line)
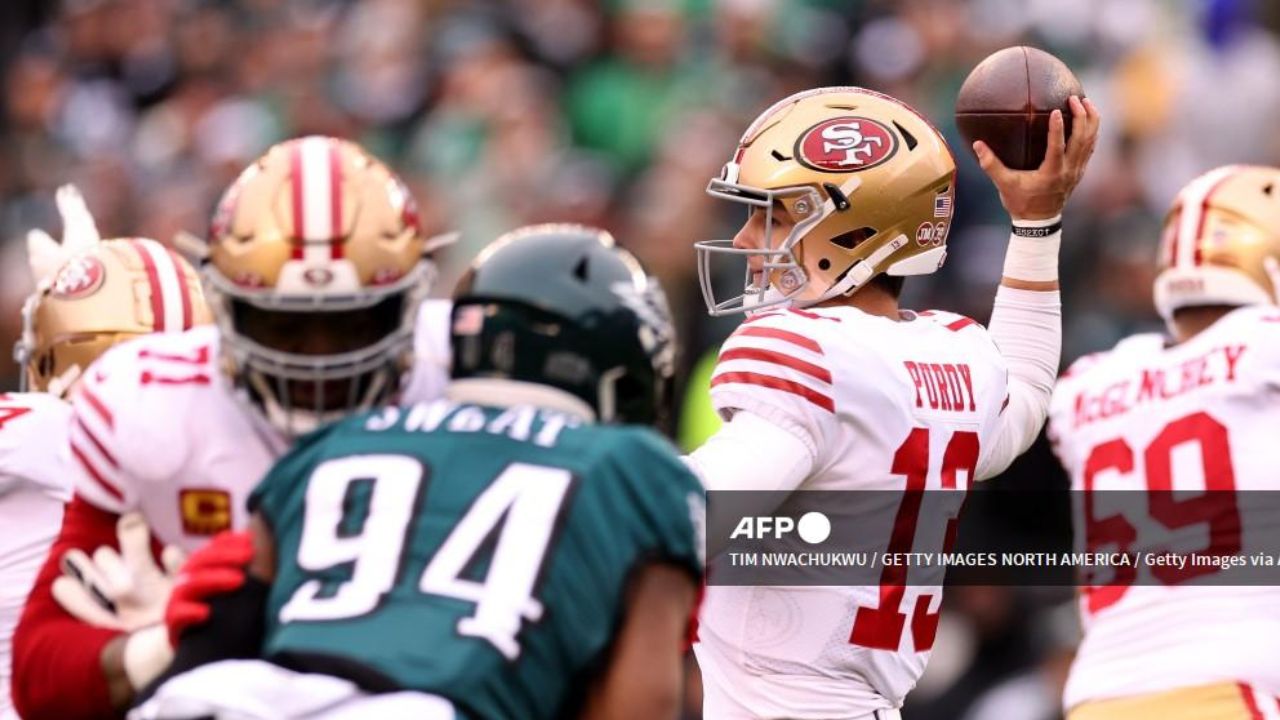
751, 453
1026, 326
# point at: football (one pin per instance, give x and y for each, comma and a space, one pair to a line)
1007, 99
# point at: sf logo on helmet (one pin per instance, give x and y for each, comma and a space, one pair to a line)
81, 276
846, 144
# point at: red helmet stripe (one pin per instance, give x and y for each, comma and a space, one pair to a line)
1184, 247
335, 202
183, 290
169, 299
153, 286
1204, 213
299, 217
316, 193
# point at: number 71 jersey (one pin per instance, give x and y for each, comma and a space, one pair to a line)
480, 554
1143, 417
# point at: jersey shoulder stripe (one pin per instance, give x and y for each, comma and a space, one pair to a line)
773, 383
955, 322
762, 353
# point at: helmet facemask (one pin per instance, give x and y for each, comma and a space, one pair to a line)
781, 278
368, 346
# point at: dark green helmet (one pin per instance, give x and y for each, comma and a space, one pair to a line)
562, 306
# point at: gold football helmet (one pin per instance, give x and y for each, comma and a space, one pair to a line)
108, 292
1221, 243
868, 182
315, 267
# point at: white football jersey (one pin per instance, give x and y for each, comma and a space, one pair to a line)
882, 405
34, 485
158, 428
1199, 415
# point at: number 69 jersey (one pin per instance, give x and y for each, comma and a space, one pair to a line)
1201, 415
475, 553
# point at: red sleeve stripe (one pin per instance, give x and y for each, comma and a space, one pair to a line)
962, 323
98, 406
777, 358
773, 383
92, 472
783, 335
102, 449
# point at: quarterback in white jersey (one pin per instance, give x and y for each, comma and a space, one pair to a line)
1194, 413
315, 268
849, 189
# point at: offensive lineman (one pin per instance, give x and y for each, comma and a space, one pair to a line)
848, 191
1193, 411
91, 294
315, 270
499, 554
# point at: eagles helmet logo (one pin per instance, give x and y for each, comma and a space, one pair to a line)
657, 336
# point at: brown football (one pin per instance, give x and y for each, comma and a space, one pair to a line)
1006, 101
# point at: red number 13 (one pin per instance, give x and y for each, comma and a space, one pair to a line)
881, 627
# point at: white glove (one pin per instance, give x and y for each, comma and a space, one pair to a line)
79, 231
124, 591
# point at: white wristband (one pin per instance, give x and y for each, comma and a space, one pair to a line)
1033, 256
146, 654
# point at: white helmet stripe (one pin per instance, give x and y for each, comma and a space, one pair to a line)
1195, 202
313, 198
163, 272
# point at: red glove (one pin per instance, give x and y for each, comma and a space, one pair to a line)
215, 569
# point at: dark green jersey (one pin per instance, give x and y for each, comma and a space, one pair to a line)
481, 554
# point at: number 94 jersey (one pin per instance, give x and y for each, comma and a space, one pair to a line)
1201, 415
480, 554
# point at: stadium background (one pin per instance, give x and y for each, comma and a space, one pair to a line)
616, 113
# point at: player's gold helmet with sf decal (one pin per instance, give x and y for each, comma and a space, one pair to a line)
315, 266
866, 183
108, 292
1221, 242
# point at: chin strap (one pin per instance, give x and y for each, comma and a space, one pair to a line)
863, 270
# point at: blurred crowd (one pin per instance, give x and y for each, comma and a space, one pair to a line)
616, 113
